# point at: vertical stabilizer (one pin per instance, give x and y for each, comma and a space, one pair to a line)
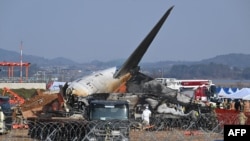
134, 59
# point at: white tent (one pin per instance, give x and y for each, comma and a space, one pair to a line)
223, 94
247, 97
233, 90
240, 94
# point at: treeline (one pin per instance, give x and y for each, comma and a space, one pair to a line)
206, 71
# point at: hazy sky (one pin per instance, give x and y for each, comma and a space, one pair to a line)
86, 30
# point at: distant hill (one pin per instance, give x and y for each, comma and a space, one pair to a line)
12, 56
235, 60
232, 60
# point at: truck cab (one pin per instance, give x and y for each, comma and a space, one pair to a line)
108, 120
108, 110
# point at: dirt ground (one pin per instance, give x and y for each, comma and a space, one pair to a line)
16, 135
174, 136
22, 135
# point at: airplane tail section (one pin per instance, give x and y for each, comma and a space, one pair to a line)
134, 59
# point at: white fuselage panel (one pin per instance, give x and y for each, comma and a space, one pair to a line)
97, 82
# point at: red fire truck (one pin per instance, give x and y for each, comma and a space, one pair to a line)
200, 89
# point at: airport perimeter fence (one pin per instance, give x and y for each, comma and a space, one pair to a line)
203, 128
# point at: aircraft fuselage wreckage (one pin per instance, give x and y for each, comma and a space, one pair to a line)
107, 81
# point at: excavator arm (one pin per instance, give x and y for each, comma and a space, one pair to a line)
15, 99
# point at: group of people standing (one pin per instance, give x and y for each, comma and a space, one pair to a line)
238, 105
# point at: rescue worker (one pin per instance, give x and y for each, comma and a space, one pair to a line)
242, 118
241, 105
237, 105
246, 106
145, 117
224, 104
18, 119
232, 103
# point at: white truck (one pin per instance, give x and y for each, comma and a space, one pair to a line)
5, 115
2, 122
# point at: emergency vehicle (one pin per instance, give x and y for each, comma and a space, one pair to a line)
201, 89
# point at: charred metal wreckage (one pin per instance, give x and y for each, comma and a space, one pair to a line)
125, 88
